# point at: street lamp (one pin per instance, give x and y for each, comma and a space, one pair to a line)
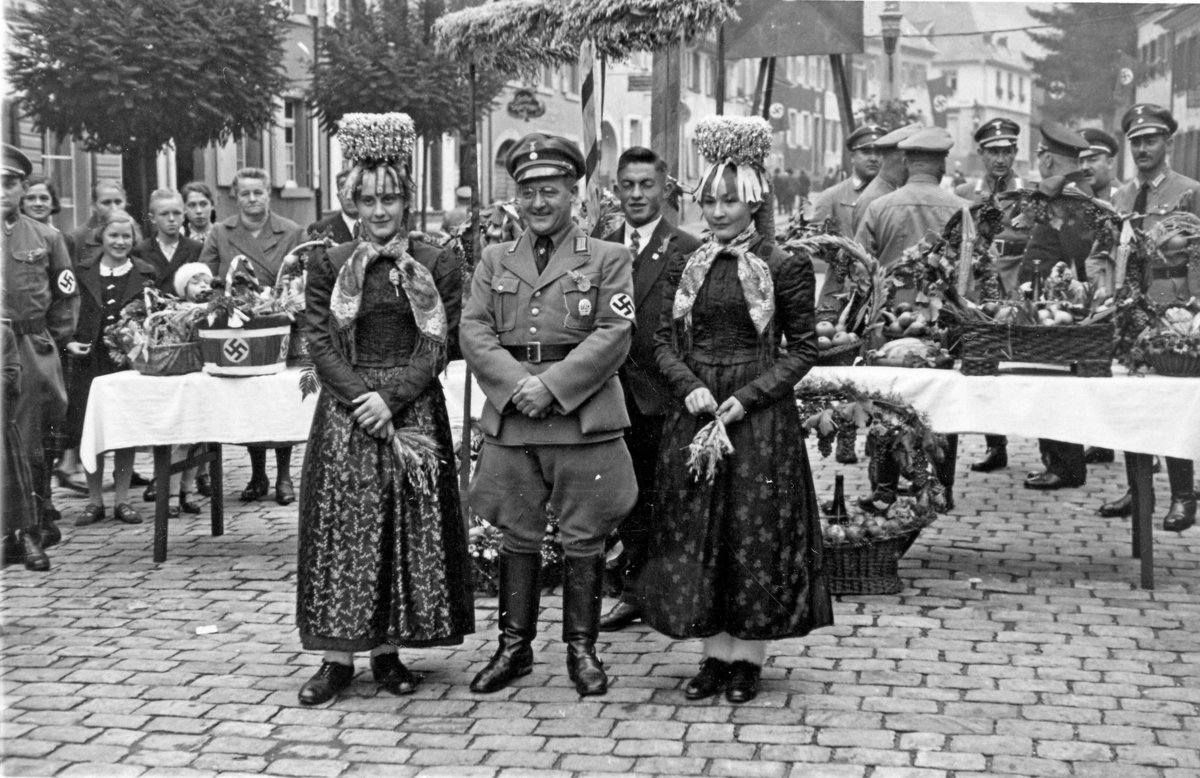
889, 22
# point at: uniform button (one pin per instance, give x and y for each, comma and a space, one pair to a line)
537, 294
534, 311
533, 329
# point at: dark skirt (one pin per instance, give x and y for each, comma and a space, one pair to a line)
380, 561
743, 554
78, 374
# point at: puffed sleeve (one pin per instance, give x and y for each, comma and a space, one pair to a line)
679, 376
337, 376
795, 283
426, 363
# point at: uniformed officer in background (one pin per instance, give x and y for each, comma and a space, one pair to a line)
996, 143
892, 173
1156, 191
41, 301
838, 200
1097, 160
548, 325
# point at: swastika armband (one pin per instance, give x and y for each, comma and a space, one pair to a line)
622, 305
64, 284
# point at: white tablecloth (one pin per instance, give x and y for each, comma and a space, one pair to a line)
1149, 414
127, 409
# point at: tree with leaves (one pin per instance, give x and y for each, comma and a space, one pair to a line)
1086, 45
890, 114
381, 58
130, 77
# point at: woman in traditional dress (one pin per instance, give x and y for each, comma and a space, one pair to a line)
383, 548
736, 558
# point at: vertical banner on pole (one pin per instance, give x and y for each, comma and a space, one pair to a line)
591, 131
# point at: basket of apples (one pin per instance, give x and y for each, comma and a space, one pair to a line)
1172, 344
863, 551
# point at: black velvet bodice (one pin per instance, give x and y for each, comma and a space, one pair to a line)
385, 332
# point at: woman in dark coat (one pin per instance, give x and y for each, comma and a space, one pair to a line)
736, 559
107, 284
383, 548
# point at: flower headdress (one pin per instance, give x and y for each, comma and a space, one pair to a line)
374, 140
741, 141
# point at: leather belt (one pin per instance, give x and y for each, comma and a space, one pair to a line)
1170, 271
1010, 248
26, 326
536, 351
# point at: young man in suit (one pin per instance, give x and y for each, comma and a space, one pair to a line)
341, 226
546, 329
654, 243
168, 249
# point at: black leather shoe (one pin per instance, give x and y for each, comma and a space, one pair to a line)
255, 490
67, 481
621, 616
1180, 516
127, 514
391, 674
995, 459
151, 494
90, 515
710, 680
137, 479
35, 558
49, 534
1098, 456
1122, 506
331, 679
1047, 480
203, 485
742, 685
285, 494
186, 505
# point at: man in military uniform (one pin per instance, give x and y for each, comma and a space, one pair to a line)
1071, 242
891, 175
838, 200
547, 327
41, 301
897, 221
996, 143
654, 243
1157, 191
1097, 160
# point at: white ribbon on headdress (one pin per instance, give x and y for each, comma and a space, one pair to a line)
750, 181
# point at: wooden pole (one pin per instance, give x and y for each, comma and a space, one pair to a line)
769, 88
666, 93
841, 82
721, 70
760, 107
471, 157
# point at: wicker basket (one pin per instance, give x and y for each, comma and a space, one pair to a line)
871, 567
1088, 349
1180, 365
844, 354
173, 359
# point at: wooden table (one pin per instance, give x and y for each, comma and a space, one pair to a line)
1144, 415
130, 410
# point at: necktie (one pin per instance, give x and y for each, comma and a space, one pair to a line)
543, 247
1139, 204
635, 244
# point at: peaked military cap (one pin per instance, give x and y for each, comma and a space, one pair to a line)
931, 140
1061, 139
893, 138
16, 163
1145, 118
1099, 142
538, 155
997, 134
865, 137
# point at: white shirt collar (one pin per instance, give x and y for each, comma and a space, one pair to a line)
645, 232
117, 271
351, 223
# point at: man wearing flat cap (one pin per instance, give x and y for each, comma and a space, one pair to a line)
892, 172
839, 200
548, 326
41, 301
1068, 240
1157, 191
996, 143
899, 220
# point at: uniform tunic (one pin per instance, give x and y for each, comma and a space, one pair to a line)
380, 562
899, 220
838, 201
41, 300
1169, 192
742, 554
1010, 242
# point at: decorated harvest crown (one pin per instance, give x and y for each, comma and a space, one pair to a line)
371, 140
741, 141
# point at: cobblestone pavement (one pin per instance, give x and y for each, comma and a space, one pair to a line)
1020, 646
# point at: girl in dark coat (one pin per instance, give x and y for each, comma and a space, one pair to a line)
736, 558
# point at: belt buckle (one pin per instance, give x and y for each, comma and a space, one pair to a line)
999, 244
533, 352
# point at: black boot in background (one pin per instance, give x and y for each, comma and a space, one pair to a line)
1182, 513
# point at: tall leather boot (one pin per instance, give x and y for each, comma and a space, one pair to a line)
583, 587
1182, 513
519, 594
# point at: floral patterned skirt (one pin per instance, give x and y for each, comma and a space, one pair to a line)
381, 561
743, 554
